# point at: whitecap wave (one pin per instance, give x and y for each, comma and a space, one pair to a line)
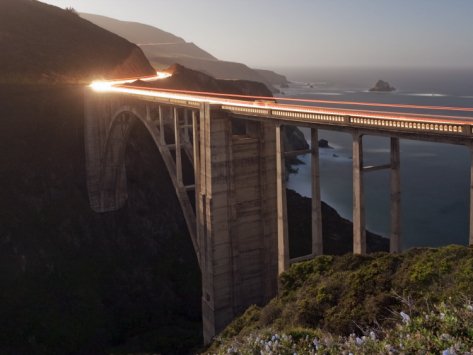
378, 150
426, 94
423, 155
324, 93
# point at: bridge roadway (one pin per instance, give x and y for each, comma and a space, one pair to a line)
238, 225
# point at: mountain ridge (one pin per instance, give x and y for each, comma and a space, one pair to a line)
184, 53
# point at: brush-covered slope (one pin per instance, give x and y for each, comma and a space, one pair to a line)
40, 42
321, 302
183, 78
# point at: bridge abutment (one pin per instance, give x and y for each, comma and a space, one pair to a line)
106, 176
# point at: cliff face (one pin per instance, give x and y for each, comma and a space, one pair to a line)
273, 78
43, 43
337, 231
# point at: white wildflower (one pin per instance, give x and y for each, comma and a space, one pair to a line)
359, 341
405, 317
449, 351
445, 337
373, 335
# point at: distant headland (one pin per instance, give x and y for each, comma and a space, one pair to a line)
382, 86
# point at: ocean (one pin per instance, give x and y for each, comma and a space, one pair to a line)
435, 178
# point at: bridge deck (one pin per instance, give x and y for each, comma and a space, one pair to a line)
439, 128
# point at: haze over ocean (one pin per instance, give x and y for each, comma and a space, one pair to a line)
435, 178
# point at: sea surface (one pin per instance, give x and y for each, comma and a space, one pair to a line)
435, 178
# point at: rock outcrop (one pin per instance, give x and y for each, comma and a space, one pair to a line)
382, 86
187, 79
323, 143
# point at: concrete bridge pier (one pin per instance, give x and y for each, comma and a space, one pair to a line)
395, 237
236, 217
284, 259
317, 237
359, 229
471, 196
282, 228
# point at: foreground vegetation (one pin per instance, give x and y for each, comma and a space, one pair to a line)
381, 303
445, 329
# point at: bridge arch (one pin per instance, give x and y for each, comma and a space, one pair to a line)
233, 230
112, 171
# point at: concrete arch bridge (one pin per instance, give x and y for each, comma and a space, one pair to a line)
238, 223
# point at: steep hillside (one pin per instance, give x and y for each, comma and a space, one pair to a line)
175, 50
187, 79
164, 49
417, 302
74, 281
41, 42
273, 78
217, 68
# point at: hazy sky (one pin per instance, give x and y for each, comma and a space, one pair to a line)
309, 32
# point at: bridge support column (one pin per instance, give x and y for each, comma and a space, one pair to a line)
471, 197
395, 238
177, 141
283, 233
236, 214
186, 127
359, 231
196, 154
317, 238
161, 125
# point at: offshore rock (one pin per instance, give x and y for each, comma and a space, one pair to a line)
382, 86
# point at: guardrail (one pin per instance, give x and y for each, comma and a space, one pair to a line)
446, 126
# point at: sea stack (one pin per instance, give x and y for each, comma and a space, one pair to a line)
382, 86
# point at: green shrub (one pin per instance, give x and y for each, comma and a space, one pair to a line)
351, 293
444, 329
